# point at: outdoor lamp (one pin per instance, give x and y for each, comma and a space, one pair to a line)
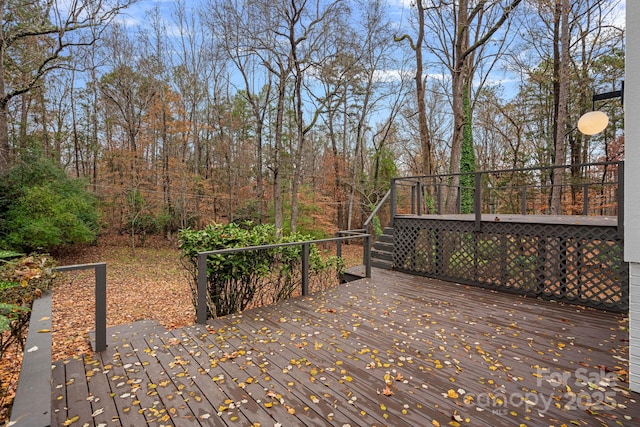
594, 122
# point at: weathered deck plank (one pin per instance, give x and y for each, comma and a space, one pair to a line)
448, 353
104, 410
77, 390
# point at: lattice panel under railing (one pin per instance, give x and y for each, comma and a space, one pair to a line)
582, 264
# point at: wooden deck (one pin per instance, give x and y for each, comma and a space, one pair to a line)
393, 350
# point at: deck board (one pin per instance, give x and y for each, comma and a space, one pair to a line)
103, 410
447, 352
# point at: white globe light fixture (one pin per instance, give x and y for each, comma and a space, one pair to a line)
593, 122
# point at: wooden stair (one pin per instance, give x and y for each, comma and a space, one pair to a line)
382, 251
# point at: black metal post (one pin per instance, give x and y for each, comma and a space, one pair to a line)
413, 198
524, 200
585, 199
305, 269
201, 309
367, 255
477, 201
100, 271
101, 307
394, 199
419, 197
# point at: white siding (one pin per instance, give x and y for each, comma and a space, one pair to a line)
632, 189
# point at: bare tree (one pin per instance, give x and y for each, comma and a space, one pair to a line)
461, 30
420, 81
560, 91
289, 35
240, 25
54, 26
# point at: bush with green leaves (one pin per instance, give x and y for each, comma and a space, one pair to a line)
43, 209
245, 279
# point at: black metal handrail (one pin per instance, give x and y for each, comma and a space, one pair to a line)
201, 303
100, 269
382, 201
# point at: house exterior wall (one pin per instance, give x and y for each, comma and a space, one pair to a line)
632, 177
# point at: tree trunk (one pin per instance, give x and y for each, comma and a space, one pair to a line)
277, 177
453, 192
561, 62
425, 137
4, 135
4, 103
337, 185
259, 180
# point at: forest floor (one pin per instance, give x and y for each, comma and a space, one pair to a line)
145, 283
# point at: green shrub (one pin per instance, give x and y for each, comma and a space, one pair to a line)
44, 210
244, 279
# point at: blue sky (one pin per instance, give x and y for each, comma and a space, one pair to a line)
399, 10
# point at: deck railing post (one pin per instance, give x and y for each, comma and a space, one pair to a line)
524, 200
201, 309
394, 199
419, 198
367, 255
413, 198
305, 269
477, 201
101, 307
439, 198
585, 198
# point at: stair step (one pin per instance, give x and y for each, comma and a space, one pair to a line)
383, 246
386, 256
385, 265
386, 238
